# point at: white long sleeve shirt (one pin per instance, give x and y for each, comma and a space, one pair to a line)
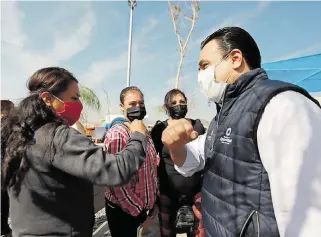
289, 142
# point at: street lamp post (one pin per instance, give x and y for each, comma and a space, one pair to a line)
132, 4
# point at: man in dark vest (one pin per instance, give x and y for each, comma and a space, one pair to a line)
261, 156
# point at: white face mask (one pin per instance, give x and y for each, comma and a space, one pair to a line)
212, 88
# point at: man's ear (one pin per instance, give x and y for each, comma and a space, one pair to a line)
237, 58
46, 97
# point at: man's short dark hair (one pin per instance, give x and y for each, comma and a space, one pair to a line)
230, 38
6, 106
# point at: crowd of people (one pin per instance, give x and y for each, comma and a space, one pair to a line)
256, 171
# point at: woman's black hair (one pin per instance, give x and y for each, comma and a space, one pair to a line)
18, 129
169, 97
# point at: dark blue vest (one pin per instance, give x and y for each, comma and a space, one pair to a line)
236, 194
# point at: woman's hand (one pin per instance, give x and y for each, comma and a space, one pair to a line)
137, 126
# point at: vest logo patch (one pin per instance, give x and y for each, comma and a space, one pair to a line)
209, 137
226, 139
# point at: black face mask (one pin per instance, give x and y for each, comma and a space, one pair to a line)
136, 113
178, 111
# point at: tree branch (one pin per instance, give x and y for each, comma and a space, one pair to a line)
194, 18
176, 14
175, 26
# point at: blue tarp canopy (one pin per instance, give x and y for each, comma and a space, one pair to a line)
303, 71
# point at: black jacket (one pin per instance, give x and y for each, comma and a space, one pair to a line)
170, 181
56, 197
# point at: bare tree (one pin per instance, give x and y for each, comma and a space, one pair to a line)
179, 16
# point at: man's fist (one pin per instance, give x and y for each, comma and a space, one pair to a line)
178, 133
137, 126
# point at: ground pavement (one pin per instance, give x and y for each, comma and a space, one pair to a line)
101, 226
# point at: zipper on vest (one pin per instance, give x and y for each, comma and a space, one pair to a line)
219, 114
247, 221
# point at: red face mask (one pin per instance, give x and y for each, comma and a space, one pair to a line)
71, 112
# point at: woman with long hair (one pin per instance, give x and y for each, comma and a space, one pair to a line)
179, 201
49, 168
